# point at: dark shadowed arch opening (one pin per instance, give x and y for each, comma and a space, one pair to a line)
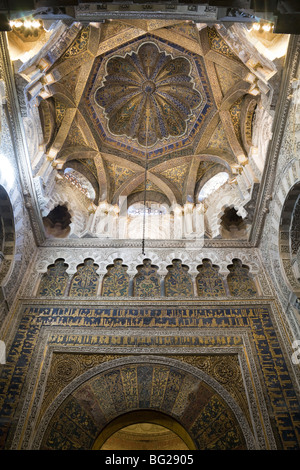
144, 430
7, 235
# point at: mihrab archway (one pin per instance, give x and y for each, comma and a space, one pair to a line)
206, 414
144, 430
7, 235
289, 239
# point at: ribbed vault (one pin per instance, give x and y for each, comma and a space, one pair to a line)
95, 99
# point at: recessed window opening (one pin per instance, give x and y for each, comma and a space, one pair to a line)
151, 209
80, 182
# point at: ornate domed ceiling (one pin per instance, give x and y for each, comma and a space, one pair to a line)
152, 98
179, 98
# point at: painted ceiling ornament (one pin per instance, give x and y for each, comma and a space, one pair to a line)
152, 82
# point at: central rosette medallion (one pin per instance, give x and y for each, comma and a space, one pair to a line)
148, 86
148, 95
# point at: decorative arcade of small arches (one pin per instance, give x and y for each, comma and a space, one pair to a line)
147, 282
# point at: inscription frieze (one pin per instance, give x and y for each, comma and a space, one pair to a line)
257, 320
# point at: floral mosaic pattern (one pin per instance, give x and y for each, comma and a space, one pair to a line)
148, 83
85, 281
116, 281
55, 281
146, 283
177, 175
235, 113
218, 44
239, 281
209, 282
178, 281
79, 45
118, 175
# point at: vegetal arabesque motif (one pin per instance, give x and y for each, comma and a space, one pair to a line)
85, 280
146, 282
116, 280
178, 282
149, 83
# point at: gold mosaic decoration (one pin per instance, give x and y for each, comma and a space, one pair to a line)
180, 87
75, 137
116, 281
118, 175
235, 113
79, 45
226, 78
54, 282
177, 175
89, 164
202, 411
178, 282
146, 282
60, 110
65, 367
150, 186
218, 44
112, 76
203, 168
148, 82
70, 80
249, 123
112, 28
85, 281
187, 29
156, 383
226, 370
209, 282
240, 282
219, 140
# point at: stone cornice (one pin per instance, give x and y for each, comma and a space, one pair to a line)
137, 243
